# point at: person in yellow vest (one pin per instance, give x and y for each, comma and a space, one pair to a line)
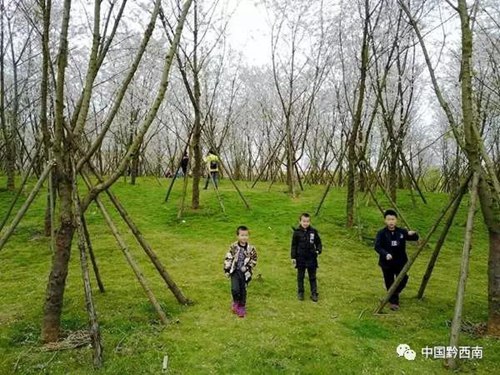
212, 163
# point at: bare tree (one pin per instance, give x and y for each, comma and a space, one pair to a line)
473, 145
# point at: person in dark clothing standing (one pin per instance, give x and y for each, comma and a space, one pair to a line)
390, 244
306, 245
184, 163
239, 264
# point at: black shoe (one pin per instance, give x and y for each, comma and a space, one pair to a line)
314, 297
300, 296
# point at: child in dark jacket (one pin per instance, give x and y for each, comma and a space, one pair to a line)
306, 245
239, 263
390, 244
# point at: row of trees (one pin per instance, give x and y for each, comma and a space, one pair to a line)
328, 79
355, 92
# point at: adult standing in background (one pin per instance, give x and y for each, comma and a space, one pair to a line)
212, 163
184, 163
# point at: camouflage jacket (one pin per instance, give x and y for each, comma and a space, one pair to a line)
249, 263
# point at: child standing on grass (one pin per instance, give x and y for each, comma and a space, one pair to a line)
239, 263
306, 245
390, 244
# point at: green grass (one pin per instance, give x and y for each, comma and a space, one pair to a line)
338, 335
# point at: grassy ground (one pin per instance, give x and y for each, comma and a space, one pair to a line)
338, 335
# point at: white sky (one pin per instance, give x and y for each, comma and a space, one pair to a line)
249, 31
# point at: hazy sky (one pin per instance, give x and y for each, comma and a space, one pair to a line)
249, 31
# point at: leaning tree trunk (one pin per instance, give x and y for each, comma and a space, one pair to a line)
456, 323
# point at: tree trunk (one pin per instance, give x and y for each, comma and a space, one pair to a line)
456, 323
393, 172
8, 134
60, 260
494, 285
49, 207
22, 211
134, 168
290, 170
488, 196
198, 166
64, 184
439, 244
351, 143
489, 199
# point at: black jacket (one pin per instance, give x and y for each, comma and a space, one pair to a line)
394, 243
306, 245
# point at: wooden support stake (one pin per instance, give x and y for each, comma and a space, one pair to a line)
128, 256
20, 190
22, 211
456, 323
94, 330
439, 244
219, 198
269, 160
91, 253
145, 245
234, 184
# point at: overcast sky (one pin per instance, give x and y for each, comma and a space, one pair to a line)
249, 31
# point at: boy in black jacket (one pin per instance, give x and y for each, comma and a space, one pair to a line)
390, 244
306, 245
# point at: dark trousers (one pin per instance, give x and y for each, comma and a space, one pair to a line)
301, 272
390, 275
212, 176
239, 287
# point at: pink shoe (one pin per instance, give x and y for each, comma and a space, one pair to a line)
242, 311
394, 307
234, 307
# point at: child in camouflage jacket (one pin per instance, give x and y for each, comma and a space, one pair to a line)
239, 264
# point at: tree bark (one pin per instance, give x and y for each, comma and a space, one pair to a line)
8, 134
64, 182
439, 244
44, 87
489, 199
83, 241
198, 163
351, 143
10, 229
456, 323
150, 116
